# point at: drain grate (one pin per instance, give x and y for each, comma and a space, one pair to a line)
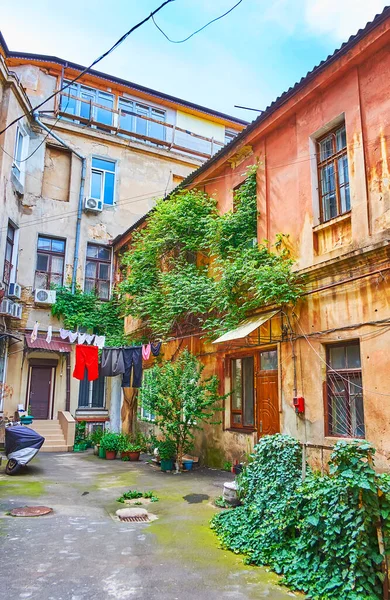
135, 519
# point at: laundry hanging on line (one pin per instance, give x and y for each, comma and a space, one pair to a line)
112, 363
87, 357
132, 357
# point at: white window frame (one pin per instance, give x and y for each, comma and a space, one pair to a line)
103, 171
79, 88
132, 107
17, 170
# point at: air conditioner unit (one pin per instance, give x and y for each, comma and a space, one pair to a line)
14, 290
93, 205
6, 307
17, 310
45, 297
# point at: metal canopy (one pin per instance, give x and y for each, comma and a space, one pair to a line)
246, 327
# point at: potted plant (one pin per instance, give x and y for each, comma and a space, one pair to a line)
95, 438
131, 446
79, 440
166, 451
110, 444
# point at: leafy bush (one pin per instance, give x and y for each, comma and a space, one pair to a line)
110, 441
321, 534
166, 449
135, 494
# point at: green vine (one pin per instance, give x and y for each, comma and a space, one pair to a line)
321, 535
86, 310
192, 268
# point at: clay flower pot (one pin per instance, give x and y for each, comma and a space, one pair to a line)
134, 455
110, 454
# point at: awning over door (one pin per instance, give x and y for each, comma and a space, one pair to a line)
56, 344
246, 327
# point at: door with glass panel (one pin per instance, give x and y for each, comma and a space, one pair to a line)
267, 416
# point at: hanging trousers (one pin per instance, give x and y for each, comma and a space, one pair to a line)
87, 357
133, 362
112, 362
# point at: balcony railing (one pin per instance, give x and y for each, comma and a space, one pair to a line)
116, 121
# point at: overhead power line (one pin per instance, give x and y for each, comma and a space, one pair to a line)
118, 43
198, 30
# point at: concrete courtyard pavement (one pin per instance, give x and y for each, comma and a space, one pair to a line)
81, 552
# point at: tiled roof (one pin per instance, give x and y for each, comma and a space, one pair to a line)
56, 344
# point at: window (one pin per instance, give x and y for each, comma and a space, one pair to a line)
19, 154
10, 255
229, 135
333, 174
129, 121
50, 262
56, 175
92, 393
103, 180
243, 392
344, 410
87, 103
98, 271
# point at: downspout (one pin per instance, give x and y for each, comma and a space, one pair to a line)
81, 195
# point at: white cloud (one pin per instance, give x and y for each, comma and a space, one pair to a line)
340, 18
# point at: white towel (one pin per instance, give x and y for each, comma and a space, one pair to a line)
49, 334
64, 334
100, 340
89, 339
34, 333
73, 336
81, 338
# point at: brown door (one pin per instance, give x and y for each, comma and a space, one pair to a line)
267, 394
40, 391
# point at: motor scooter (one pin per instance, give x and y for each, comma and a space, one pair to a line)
21, 445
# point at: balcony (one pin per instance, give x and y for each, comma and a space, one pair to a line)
131, 124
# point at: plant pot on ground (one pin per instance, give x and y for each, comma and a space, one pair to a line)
110, 444
131, 446
166, 452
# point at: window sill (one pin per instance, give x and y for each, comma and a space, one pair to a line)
344, 217
247, 430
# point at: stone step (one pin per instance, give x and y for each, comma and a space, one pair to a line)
55, 448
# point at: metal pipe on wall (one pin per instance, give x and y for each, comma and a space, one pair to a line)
81, 196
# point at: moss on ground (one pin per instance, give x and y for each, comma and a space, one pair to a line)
32, 489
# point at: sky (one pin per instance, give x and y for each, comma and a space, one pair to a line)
248, 58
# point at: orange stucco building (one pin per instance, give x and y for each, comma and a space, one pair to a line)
323, 180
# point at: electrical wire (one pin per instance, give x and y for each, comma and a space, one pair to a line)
328, 366
97, 60
198, 30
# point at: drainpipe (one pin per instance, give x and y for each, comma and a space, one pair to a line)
81, 195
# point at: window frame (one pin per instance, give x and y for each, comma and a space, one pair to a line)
341, 375
50, 253
102, 171
97, 279
18, 172
79, 89
333, 159
132, 113
9, 267
241, 426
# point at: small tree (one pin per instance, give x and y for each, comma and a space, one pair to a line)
181, 399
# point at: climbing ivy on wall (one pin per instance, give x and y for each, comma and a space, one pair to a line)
80, 309
322, 534
191, 267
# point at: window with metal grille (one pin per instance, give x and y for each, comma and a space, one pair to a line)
333, 174
92, 393
50, 262
243, 392
98, 271
344, 410
9, 255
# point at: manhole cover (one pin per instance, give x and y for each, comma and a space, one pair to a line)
135, 519
31, 511
195, 498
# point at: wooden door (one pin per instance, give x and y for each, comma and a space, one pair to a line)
267, 394
40, 391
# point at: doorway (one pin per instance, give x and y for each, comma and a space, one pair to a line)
40, 389
268, 421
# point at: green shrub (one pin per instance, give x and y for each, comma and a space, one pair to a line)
110, 441
321, 534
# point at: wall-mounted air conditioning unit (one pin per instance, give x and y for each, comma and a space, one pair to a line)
6, 307
14, 291
45, 297
17, 310
93, 205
